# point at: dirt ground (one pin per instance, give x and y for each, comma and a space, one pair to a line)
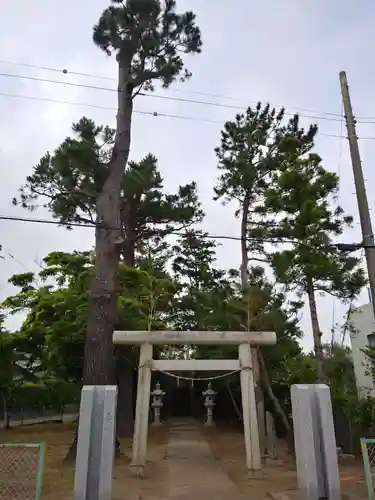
226, 445
279, 475
58, 480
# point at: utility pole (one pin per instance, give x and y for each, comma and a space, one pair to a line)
363, 208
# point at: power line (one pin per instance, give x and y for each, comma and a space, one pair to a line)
111, 108
13, 257
155, 114
173, 89
174, 233
93, 226
344, 247
57, 70
19, 262
158, 96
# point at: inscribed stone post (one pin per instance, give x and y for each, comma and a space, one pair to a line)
328, 441
96, 442
83, 445
317, 464
108, 443
317, 442
306, 459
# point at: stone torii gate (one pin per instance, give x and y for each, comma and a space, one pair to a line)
244, 340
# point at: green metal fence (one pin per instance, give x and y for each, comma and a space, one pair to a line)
21, 471
368, 453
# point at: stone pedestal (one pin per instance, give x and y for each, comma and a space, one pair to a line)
96, 443
315, 442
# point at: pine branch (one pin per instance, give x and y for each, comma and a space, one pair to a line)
151, 75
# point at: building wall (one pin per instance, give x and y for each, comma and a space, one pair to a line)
363, 335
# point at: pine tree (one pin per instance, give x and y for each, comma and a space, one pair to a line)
203, 289
303, 199
252, 148
68, 183
148, 38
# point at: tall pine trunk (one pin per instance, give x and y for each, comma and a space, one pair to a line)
99, 366
317, 334
99, 352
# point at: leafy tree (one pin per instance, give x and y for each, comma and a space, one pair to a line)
153, 254
69, 182
302, 199
148, 38
263, 308
369, 351
16, 368
56, 314
6, 373
340, 372
212, 299
53, 331
203, 289
252, 148
46, 393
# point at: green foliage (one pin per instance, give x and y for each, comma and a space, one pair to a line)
69, 181
210, 298
15, 362
53, 394
252, 148
147, 210
56, 314
282, 192
88, 178
53, 331
340, 370
7, 342
302, 199
203, 289
145, 297
148, 37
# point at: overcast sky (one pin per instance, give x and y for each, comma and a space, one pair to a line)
288, 53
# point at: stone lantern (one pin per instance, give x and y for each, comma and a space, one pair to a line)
209, 403
157, 403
